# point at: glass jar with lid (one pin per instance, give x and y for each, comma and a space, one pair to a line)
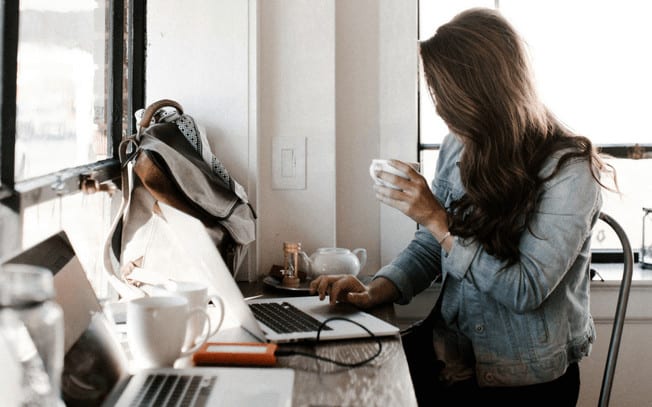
291, 264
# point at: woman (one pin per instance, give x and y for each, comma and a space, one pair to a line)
507, 226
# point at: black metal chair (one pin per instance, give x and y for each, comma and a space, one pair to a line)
621, 308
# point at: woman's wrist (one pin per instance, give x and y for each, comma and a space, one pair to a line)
443, 235
443, 238
382, 290
439, 230
438, 226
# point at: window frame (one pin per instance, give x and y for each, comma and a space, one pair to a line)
19, 195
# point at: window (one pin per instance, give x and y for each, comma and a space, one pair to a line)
71, 75
60, 120
592, 69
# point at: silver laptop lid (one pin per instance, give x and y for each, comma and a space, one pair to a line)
209, 267
191, 235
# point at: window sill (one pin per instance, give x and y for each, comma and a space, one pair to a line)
61, 183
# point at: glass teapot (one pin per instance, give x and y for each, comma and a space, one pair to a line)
335, 260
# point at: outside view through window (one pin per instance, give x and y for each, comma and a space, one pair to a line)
61, 117
592, 62
61, 87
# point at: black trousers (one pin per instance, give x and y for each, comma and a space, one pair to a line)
561, 392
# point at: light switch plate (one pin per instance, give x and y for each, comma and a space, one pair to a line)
288, 163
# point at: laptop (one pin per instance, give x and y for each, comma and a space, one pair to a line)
255, 315
95, 364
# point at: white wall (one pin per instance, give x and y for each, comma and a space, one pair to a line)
398, 108
358, 125
340, 73
376, 117
297, 99
199, 54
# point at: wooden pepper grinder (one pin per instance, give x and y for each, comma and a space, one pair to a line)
291, 266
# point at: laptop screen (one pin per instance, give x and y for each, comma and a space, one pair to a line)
94, 360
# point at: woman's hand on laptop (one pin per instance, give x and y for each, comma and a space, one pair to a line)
351, 290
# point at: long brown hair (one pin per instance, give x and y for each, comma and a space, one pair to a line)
478, 73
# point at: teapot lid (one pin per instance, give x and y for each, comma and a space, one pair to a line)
332, 250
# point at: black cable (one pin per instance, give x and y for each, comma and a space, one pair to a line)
285, 352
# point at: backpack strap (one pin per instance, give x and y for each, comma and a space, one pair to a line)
127, 151
151, 110
114, 237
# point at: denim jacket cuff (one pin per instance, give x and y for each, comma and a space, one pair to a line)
459, 259
400, 279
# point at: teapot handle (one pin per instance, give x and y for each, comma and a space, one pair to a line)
362, 256
307, 263
304, 256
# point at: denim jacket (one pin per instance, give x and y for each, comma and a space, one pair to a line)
524, 324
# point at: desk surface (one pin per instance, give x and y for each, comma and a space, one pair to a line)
383, 382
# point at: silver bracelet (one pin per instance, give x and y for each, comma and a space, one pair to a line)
446, 236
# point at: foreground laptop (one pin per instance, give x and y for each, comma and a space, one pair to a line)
190, 234
96, 368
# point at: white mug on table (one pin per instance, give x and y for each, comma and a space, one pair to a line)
157, 327
197, 295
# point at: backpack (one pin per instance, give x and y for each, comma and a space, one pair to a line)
169, 160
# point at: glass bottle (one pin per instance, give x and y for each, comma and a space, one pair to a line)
37, 336
11, 373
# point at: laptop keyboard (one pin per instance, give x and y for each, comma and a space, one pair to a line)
175, 390
285, 318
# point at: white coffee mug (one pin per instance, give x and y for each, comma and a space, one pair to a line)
379, 164
197, 295
156, 328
